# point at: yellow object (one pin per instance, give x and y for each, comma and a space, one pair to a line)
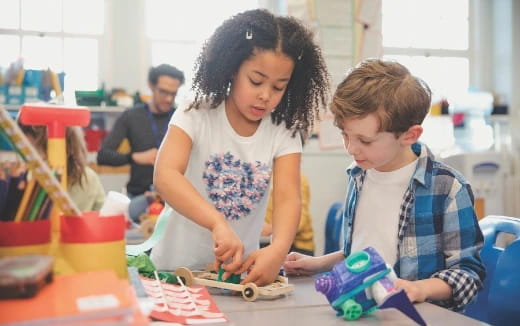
124, 147
19, 77
436, 109
55, 83
57, 158
41, 249
82, 243
25, 200
304, 238
91, 250
94, 256
480, 207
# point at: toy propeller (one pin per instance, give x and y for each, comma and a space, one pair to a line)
399, 300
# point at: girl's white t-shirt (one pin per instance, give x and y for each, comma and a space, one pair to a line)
231, 172
377, 214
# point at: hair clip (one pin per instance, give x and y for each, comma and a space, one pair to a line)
249, 34
300, 56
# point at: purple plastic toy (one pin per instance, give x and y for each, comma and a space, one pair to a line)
361, 284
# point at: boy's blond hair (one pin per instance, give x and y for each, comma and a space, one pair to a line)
385, 88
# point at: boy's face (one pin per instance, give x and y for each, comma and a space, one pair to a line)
372, 149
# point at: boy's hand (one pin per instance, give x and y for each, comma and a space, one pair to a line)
430, 288
300, 264
228, 247
414, 289
263, 266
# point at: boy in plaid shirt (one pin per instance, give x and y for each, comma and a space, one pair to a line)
415, 211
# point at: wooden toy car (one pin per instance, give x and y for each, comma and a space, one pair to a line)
250, 291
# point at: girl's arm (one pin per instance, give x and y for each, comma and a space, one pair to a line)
179, 193
286, 201
266, 262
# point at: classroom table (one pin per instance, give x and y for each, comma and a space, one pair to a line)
305, 306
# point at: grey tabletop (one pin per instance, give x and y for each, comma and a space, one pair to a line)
305, 306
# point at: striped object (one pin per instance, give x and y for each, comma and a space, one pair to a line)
39, 168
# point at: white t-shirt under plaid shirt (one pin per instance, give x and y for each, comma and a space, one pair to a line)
378, 211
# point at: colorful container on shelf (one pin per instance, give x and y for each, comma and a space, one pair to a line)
33, 88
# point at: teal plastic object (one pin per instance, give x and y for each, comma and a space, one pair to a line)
358, 262
351, 310
158, 233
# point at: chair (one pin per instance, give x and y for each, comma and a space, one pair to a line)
333, 227
492, 227
504, 295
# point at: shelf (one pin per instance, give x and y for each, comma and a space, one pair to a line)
108, 109
103, 109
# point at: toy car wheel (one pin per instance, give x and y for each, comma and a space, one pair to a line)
250, 292
281, 279
351, 310
185, 274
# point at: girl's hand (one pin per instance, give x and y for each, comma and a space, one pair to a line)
227, 247
263, 265
414, 290
300, 264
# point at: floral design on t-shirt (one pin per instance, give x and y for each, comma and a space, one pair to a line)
234, 186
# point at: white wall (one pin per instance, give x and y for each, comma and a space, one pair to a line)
326, 171
125, 53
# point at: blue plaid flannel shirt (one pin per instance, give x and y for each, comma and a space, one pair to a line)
438, 232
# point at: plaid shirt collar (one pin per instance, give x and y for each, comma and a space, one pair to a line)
422, 174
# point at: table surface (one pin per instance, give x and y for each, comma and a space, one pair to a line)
305, 306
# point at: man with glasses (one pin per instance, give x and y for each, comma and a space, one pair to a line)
144, 125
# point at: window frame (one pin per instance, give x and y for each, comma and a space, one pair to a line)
468, 54
62, 35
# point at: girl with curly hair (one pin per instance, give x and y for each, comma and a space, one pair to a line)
259, 82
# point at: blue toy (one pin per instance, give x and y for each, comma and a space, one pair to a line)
361, 284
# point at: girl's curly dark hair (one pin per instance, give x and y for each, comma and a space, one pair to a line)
228, 47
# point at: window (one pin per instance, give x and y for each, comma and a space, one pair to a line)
177, 29
62, 35
431, 38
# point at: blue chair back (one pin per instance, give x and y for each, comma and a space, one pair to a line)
491, 227
504, 295
333, 227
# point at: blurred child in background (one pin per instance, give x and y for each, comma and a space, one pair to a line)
304, 239
84, 186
